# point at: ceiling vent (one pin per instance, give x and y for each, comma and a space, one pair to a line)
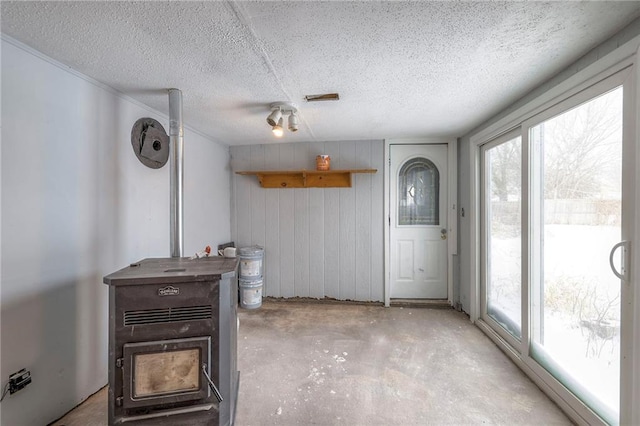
323, 97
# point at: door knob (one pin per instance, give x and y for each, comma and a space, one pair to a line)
443, 234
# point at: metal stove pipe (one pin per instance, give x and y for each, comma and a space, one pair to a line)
176, 160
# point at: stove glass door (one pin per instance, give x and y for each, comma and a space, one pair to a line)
166, 371
163, 373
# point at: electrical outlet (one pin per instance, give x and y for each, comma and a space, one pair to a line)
19, 380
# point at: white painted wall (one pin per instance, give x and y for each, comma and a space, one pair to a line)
319, 242
464, 165
76, 205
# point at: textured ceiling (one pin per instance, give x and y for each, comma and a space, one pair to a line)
403, 69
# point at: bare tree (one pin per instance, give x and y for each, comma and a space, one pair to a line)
506, 160
577, 145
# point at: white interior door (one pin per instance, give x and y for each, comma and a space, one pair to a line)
418, 221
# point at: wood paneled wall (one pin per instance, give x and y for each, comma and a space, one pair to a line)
319, 242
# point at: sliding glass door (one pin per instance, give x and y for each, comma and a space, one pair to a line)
576, 192
552, 209
503, 233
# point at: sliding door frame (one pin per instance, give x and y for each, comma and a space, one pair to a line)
625, 57
484, 251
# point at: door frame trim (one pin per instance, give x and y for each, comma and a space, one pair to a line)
452, 208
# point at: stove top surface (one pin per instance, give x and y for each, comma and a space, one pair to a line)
173, 270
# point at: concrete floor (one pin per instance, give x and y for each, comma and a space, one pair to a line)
346, 364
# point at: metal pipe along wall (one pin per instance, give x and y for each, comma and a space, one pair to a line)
176, 161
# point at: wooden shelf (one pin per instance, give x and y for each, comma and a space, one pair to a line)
305, 178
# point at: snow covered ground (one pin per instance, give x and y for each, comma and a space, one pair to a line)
580, 324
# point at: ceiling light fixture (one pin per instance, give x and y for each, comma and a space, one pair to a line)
277, 129
275, 115
293, 122
276, 119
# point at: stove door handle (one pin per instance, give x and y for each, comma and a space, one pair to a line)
212, 385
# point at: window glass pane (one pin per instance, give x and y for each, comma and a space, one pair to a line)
576, 206
419, 193
503, 195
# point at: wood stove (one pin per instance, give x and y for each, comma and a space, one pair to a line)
173, 342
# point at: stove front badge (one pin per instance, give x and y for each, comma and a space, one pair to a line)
168, 291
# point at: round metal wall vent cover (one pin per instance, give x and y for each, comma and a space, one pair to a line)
150, 142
